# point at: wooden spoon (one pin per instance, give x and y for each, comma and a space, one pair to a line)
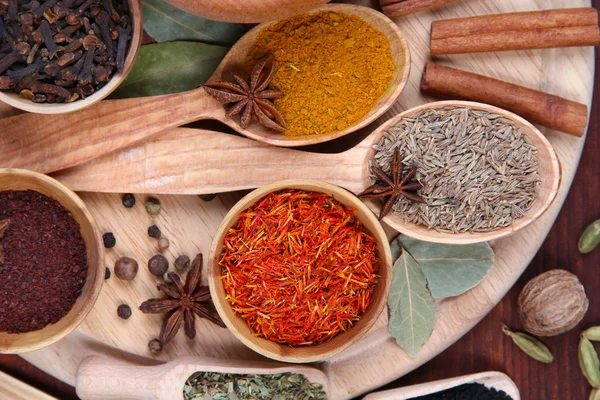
47, 144
187, 161
105, 378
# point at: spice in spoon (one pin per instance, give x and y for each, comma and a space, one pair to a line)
299, 267
251, 98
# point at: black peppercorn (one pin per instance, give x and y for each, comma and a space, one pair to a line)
106, 273
155, 346
109, 240
154, 232
158, 265
128, 200
182, 263
126, 268
208, 197
124, 311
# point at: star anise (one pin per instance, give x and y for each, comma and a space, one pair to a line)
251, 97
395, 186
182, 303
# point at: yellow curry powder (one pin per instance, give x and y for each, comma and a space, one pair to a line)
332, 68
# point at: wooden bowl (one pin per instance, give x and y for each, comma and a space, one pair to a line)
312, 353
550, 176
248, 11
494, 379
16, 101
400, 53
18, 179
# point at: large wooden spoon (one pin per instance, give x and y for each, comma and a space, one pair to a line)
50, 143
188, 161
104, 378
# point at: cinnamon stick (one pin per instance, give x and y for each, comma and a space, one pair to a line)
397, 8
516, 31
538, 107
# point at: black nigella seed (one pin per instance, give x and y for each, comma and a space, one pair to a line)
106, 273
154, 232
469, 391
128, 200
124, 311
109, 240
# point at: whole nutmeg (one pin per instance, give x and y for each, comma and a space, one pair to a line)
126, 268
552, 303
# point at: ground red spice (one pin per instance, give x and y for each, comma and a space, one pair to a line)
45, 261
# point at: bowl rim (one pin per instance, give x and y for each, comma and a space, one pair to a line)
13, 99
96, 285
421, 232
317, 186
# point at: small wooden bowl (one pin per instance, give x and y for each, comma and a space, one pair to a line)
13, 99
18, 179
494, 379
301, 354
550, 176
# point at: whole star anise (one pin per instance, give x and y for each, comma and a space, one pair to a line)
182, 303
393, 187
251, 97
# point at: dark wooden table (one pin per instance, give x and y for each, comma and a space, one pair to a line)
485, 347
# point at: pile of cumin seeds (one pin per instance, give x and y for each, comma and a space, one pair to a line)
479, 172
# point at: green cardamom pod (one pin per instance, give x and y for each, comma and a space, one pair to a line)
590, 238
592, 333
530, 345
589, 362
594, 395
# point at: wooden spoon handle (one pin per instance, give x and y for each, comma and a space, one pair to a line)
47, 143
193, 161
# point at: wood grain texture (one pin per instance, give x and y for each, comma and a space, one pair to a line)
14, 389
484, 348
51, 144
56, 108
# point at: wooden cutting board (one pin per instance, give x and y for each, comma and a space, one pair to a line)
190, 224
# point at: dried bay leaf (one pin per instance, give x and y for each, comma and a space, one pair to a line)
166, 23
411, 306
450, 269
171, 67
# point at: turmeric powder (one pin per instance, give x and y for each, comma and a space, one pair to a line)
332, 68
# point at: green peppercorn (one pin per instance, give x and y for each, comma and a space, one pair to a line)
153, 206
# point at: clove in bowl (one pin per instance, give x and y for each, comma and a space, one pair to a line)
59, 56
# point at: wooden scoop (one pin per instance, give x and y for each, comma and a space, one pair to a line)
46, 144
188, 161
103, 378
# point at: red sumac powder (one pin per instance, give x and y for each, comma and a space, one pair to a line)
45, 261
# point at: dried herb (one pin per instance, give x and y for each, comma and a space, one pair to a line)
393, 187
251, 98
182, 303
217, 386
299, 267
172, 67
166, 23
411, 306
450, 269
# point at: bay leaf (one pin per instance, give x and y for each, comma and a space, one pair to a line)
166, 23
172, 67
411, 306
450, 269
